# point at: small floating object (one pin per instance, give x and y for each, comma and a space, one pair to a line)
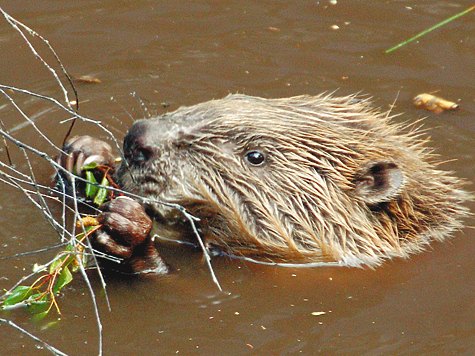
88, 79
433, 103
318, 313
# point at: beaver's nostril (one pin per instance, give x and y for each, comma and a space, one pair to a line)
140, 142
137, 153
142, 154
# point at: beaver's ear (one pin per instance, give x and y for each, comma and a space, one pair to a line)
378, 182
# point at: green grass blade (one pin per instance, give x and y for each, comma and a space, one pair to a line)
430, 29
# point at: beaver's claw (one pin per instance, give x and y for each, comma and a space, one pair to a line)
80, 151
125, 233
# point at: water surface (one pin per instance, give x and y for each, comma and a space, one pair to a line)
184, 52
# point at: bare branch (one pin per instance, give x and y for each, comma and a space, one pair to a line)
53, 350
43, 196
16, 25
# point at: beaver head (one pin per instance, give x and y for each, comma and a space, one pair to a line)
302, 179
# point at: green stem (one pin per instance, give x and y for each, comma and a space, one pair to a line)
430, 29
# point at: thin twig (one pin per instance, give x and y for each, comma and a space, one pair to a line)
7, 151
86, 279
15, 23
46, 249
57, 166
31, 122
207, 258
38, 194
53, 350
66, 109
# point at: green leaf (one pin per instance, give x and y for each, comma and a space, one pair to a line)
74, 268
64, 278
91, 190
39, 305
54, 266
101, 195
19, 294
89, 167
68, 257
41, 315
72, 257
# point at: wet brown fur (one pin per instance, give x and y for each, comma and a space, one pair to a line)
304, 203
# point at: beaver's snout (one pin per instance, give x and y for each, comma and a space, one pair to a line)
148, 139
142, 142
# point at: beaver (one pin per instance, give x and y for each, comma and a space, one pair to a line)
306, 179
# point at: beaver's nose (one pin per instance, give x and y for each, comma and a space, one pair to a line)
142, 142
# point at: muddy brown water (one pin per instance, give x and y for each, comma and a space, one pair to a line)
185, 52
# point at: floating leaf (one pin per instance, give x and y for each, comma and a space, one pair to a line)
38, 302
88, 79
47, 325
54, 266
19, 294
433, 103
41, 315
64, 278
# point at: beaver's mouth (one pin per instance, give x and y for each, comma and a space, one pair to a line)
141, 183
139, 175
170, 223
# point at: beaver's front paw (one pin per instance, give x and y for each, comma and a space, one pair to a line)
80, 151
125, 233
89, 158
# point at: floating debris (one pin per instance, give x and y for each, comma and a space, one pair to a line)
433, 103
87, 79
318, 313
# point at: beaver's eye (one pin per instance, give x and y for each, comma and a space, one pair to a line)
255, 158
